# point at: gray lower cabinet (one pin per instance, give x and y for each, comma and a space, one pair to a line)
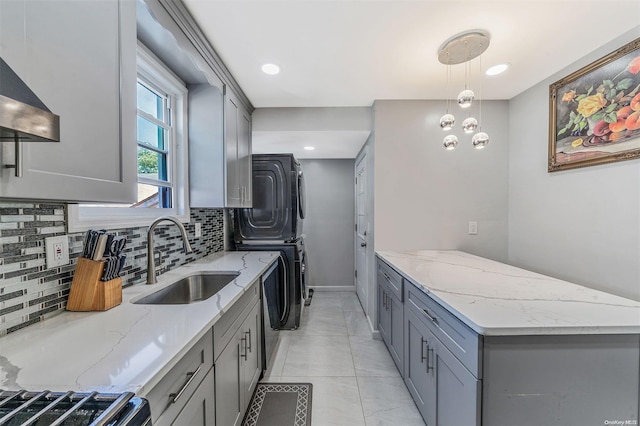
384, 317
444, 391
238, 363
391, 314
79, 58
200, 409
458, 377
417, 372
185, 395
251, 362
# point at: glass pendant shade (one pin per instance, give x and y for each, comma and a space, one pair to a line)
465, 98
447, 121
450, 141
480, 140
469, 125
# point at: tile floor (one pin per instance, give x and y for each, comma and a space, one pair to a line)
355, 381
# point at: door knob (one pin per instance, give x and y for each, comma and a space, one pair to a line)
363, 244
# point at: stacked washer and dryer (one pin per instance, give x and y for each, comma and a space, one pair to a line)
274, 223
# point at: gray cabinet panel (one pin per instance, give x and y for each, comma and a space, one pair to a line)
462, 341
252, 364
197, 362
238, 152
200, 410
228, 391
457, 391
561, 380
396, 332
79, 58
392, 278
244, 157
239, 365
416, 376
219, 148
206, 146
390, 321
233, 189
384, 318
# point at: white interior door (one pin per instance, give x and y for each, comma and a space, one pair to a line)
362, 225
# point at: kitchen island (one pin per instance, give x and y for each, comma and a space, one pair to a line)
133, 347
481, 342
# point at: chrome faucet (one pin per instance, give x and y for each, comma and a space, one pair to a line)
151, 264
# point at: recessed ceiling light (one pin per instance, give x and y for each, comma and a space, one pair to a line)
271, 69
497, 69
309, 148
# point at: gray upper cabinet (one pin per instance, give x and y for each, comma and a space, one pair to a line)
238, 155
219, 148
79, 58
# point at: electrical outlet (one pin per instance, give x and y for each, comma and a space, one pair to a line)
57, 251
198, 230
473, 228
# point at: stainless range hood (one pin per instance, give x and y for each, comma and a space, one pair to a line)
23, 116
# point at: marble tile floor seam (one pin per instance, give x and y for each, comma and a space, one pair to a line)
355, 380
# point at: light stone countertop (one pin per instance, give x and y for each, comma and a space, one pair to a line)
496, 299
129, 347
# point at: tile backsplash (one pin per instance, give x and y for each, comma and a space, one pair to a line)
30, 293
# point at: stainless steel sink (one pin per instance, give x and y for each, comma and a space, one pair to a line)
190, 289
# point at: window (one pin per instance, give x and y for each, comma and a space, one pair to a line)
154, 147
162, 154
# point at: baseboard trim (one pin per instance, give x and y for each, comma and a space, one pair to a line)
334, 288
375, 334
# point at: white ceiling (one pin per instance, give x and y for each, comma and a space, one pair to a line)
351, 52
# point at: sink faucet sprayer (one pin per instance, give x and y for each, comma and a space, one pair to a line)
151, 264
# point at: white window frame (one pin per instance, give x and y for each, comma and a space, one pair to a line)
82, 218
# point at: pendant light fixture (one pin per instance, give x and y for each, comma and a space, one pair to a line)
448, 120
462, 49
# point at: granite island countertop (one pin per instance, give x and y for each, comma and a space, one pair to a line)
129, 347
495, 299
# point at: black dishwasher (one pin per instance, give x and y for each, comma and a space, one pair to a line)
23, 408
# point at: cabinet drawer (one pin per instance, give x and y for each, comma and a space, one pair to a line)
224, 329
464, 343
171, 394
392, 280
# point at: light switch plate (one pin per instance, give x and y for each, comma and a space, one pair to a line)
473, 228
57, 251
198, 231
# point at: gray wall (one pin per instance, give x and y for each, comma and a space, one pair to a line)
581, 225
328, 225
425, 196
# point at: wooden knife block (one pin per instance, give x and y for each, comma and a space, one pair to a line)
88, 293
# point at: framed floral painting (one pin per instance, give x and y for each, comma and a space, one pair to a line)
594, 113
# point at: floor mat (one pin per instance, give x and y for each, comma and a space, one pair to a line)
280, 404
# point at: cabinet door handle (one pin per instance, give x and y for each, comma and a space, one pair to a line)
422, 357
190, 377
433, 319
18, 158
248, 338
244, 343
428, 358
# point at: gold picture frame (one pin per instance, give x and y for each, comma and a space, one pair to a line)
594, 113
